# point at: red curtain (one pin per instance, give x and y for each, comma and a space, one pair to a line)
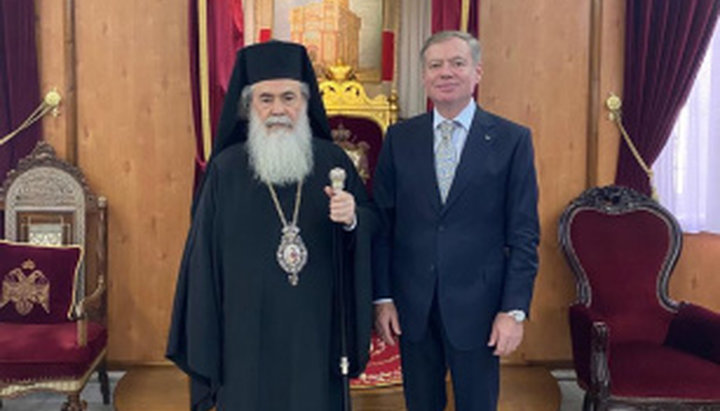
665, 42
447, 15
224, 30
19, 80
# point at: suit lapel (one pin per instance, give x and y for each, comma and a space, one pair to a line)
472, 158
426, 156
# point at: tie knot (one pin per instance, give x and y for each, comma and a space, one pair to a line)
446, 129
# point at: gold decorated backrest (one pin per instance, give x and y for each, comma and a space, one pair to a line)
345, 96
358, 122
46, 201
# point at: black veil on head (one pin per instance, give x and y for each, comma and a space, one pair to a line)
268, 61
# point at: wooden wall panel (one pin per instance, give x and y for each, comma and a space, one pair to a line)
136, 146
612, 60
536, 72
697, 275
52, 67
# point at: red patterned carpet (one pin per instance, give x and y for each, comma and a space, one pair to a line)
383, 369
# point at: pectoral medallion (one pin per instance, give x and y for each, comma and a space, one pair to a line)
292, 254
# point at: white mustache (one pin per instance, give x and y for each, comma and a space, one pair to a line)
281, 120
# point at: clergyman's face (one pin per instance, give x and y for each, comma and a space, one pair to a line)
449, 73
279, 99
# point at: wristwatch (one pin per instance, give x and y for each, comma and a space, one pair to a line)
517, 315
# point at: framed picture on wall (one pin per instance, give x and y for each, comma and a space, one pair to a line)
357, 33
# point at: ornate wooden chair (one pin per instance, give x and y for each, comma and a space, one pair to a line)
358, 125
53, 324
633, 344
358, 122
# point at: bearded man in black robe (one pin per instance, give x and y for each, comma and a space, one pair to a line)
256, 322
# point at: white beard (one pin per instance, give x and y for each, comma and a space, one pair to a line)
280, 156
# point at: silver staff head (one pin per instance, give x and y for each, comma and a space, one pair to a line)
337, 178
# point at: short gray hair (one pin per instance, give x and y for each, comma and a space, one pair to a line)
441, 36
246, 98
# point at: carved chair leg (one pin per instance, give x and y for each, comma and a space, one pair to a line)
74, 403
587, 402
104, 383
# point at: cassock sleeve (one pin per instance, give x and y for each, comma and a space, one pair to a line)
194, 343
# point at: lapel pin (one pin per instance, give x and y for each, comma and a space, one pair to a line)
487, 137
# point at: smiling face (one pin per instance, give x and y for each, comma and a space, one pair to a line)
450, 75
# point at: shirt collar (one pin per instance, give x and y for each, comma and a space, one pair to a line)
464, 118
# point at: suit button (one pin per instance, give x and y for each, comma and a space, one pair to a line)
432, 267
441, 227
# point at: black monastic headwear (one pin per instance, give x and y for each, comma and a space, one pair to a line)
267, 61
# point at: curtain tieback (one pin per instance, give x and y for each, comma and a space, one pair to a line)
49, 104
614, 103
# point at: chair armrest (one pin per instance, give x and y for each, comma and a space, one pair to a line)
695, 330
80, 307
590, 342
80, 315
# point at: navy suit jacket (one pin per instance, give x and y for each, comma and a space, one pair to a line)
479, 249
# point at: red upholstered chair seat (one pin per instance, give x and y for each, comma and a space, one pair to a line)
49, 350
633, 344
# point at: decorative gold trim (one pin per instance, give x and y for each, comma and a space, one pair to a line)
348, 97
66, 385
25, 291
356, 150
204, 78
465, 15
379, 380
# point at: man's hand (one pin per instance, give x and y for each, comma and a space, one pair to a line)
506, 334
387, 324
342, 206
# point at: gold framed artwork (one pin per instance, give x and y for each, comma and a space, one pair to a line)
358, 33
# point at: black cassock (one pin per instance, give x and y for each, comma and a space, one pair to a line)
249, 339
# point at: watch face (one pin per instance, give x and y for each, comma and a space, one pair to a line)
517, 315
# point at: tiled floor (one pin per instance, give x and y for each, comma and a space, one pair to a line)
572, 396
53, 402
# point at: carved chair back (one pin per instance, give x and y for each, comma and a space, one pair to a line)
46, 201
622, 247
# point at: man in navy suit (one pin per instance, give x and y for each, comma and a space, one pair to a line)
456, 261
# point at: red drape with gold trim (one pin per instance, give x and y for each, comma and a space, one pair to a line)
216, 33
448, 15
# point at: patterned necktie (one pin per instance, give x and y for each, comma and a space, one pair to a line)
445, 159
